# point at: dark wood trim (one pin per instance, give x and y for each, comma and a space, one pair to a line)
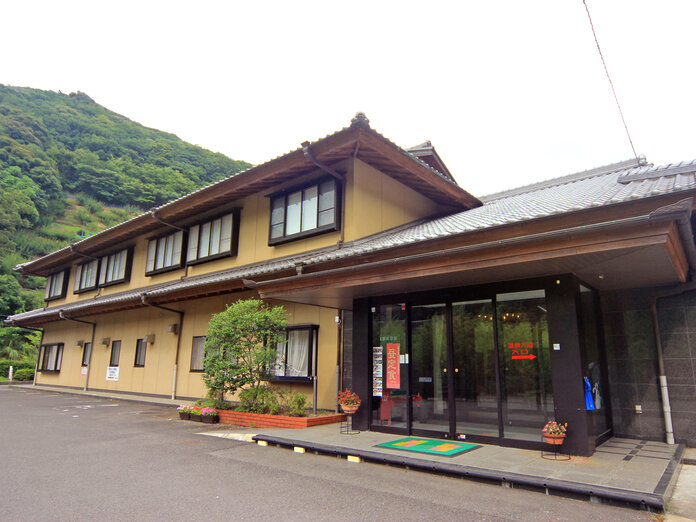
532, 251
332, 227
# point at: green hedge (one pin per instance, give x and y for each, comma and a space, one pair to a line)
18, 365
24, 374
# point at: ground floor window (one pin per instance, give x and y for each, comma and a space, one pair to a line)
197, 353
295, 354
52, 357
86, 350
115, 353
140, 349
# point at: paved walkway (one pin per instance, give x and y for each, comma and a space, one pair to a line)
107, 395
622, 472
625, 472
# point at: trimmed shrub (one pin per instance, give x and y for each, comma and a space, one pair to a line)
266, 399
18, 365
214, 403
24, 374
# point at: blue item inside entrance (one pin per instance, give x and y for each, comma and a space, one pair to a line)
589, 401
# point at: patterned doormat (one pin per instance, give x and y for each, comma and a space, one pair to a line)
432, 447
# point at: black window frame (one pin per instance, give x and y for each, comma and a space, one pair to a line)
111, 356
332, 227
234, 238
193, 340
313, 340
64, 285
169, 268
140, 348
103, 270
78, 276
58, 361
86, 354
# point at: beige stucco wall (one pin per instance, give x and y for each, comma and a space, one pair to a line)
373, 202
156, 376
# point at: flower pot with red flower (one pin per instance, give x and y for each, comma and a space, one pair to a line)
554, 432
349, 401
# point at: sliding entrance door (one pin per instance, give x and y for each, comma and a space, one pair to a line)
466, 369
475, 383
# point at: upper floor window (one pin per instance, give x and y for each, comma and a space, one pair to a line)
213, 239
86, 276
115, 268
52, 357
303, 212
56, 285
164, 253
294, 355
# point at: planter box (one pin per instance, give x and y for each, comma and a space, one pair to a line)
184, 415
197, 418
261, 420
210, 419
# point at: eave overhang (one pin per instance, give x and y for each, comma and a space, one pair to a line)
356, 141
631, 245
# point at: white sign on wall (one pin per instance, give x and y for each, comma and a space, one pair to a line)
83, 371
112, 373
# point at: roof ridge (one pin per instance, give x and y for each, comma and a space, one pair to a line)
576, 176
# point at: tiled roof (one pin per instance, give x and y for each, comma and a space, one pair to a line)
618, 183
612, 184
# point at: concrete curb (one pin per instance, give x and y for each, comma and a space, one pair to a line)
591, 492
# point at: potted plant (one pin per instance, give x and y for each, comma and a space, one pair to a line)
195, 415
554, 432
209, 415
349, 401
184, 412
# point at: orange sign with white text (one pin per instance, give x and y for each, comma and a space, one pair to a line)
393, 369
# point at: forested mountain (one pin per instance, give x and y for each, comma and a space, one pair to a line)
70, 167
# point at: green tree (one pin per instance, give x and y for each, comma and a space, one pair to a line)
240, 346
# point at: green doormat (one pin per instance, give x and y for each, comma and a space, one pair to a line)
433, 447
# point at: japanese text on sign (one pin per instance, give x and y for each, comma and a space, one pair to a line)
393, 369
521, 350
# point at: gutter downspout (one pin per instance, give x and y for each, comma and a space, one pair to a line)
38, 356
339, 325
143, 299
91, 344
153, 213
308, 154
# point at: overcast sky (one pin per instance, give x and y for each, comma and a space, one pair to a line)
509, 92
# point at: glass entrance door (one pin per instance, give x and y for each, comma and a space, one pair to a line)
475, 383
478, 368
430, 367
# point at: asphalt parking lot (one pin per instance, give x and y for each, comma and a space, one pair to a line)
67, 457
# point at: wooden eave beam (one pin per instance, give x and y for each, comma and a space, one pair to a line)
598, 241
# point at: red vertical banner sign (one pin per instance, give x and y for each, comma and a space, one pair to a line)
393, 368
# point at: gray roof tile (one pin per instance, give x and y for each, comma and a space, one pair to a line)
609, 185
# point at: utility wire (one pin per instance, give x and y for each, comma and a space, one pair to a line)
610, 82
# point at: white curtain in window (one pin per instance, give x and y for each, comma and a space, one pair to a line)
151, 249
279, 370
298, 353
294, 213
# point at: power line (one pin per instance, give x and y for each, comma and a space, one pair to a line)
609, 78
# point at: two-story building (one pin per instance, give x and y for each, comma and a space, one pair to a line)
451, 316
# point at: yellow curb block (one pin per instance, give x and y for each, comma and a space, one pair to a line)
353, 458
299, 449
262, 443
